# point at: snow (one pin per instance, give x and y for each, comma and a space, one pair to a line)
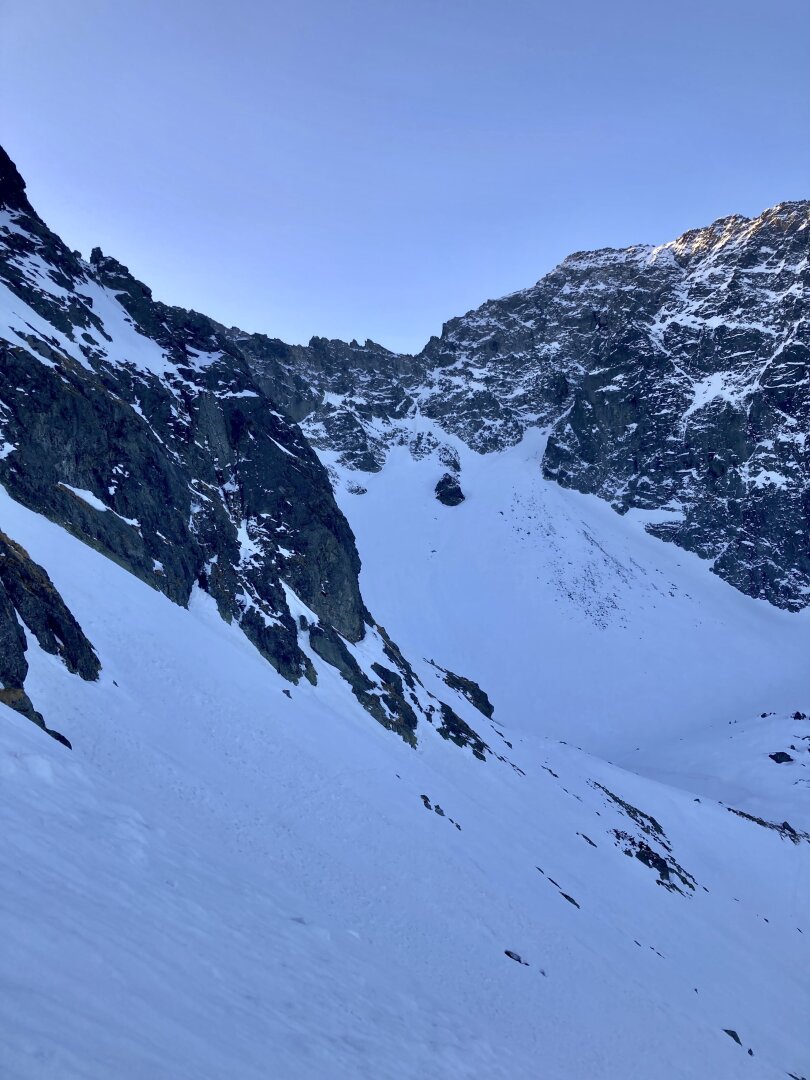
128, 345
527, 586
21, 321
283, 449
221, 881
97, 504
717, 385
86, 496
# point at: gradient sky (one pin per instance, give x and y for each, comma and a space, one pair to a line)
370, 169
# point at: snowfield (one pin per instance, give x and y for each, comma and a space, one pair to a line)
579, 624
221, 881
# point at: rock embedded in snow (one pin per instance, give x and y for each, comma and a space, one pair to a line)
28, 598
43, 610
448, 490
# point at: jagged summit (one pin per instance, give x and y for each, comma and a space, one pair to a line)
12, 186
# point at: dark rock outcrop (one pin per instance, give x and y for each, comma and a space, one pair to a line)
12, 186
27, 595
43, 610
470, 690
781, 757
455, 729
448, 490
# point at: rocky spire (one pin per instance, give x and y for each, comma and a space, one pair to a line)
12, 186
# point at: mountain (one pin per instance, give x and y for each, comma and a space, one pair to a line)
576, 840
141, 429
670, 378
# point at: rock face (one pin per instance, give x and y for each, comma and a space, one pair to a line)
671, 379
147, 432
31, 593
27, 596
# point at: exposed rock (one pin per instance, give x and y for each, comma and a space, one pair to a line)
470, 689
44, 611
448, 490
12, 186
651, 847
785, 830
389, 708
780, 757
13, 665
17, 699
455, 729
28, 595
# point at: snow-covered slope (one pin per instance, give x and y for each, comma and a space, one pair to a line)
582, 626
587, 855
221, 881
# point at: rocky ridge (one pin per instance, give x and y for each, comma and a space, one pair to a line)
670, 379
143, 430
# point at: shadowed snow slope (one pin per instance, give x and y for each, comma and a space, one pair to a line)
221, 881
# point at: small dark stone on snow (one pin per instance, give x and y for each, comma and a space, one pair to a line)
780, 757
733, 1035
799, 715
287, 693
570, 899
516, 957
427, 802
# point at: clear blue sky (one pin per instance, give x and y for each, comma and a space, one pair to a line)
370, 169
